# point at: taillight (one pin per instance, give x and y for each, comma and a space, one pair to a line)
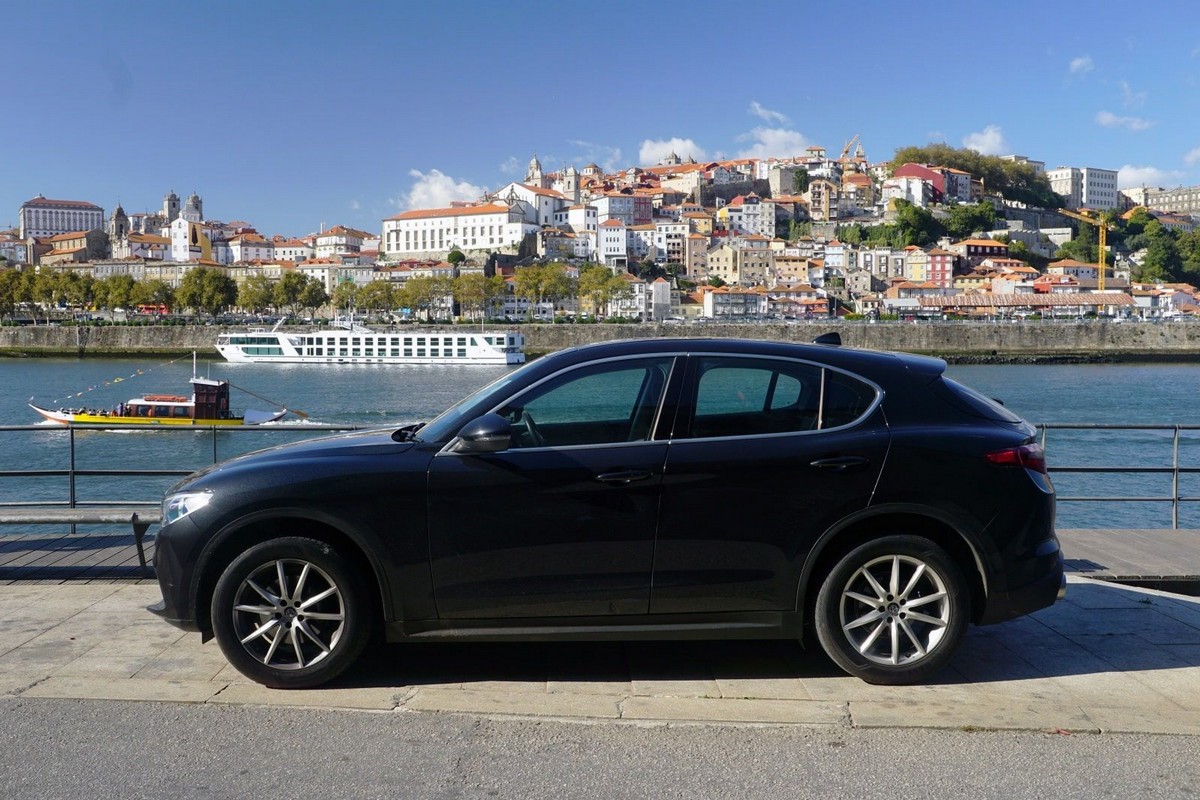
1030, 456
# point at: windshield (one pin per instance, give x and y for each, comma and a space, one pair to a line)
446, 424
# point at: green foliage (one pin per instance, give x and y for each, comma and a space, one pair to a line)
798, 230
598, 287
313, 296
377, 296
476, 293
538, 283
966, 220
207, 290
256, 293
456, 256
1017, 182
800, 181
287, 291
345, 295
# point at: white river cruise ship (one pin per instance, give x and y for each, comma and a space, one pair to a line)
355, 344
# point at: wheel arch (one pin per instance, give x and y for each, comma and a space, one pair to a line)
850, 533
261, 526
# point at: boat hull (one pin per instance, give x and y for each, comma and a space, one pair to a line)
67, 418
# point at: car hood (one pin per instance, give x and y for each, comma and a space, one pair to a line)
359, 443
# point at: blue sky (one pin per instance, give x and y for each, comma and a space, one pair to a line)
293, 115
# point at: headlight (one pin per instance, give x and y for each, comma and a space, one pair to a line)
178, 506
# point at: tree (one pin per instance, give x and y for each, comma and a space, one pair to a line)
345, 295
115, 291
968, 219
1014, 181
1162, 259
476, 293
800, 181
207, 290
10, 281
256, 294
377, 296
288, 290
313, 296
600, 287
538, 283
455, 257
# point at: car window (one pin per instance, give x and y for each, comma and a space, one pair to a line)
747, 397
599, 404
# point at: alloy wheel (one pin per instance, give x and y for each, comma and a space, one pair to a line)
289, 614
895, 610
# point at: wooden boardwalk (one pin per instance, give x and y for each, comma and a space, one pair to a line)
53, 555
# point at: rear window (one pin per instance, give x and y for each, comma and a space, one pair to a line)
972, 402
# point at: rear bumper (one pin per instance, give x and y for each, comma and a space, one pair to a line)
1039, 593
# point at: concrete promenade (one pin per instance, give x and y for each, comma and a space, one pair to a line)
1110, 658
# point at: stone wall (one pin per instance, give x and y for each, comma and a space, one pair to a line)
1027, 341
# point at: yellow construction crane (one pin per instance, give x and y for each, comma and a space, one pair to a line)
1085, 215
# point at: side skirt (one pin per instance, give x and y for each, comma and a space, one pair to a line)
747, 625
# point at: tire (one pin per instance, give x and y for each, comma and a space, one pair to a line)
300, 637
862, 613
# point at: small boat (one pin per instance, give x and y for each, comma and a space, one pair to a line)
208, 405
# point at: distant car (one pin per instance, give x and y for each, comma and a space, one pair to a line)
672, 488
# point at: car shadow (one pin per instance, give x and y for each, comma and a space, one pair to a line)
1099, 628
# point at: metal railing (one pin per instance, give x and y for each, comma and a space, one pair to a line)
74, 473
1175, 470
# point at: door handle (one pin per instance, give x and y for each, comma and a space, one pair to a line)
839, 463
623, 477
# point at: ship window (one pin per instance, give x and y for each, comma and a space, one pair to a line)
180, 411
162, 411
462, 352
408, 352
420, 352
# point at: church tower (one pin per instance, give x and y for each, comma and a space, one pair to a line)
193, 210
118, 224
171, 206
534, 176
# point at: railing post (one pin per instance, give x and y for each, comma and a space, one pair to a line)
71, 467
214, 435
1175, 481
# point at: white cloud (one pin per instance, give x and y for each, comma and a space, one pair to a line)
434, 189
766, 114
605, 157
1081, 66
1129, 176
653, 151
988, 142
1192, 156
1129, 97
511, 166
1107, 119
777, 142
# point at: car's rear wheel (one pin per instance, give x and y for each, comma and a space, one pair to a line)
893, 611
290, 613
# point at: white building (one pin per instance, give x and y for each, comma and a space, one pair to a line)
432, 232
294, 250
42, 217
750, 214
612, 248
340, 241
250, 246
1086, 187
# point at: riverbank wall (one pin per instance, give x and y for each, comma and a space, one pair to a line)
962, 342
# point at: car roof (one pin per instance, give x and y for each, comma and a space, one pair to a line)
849, 358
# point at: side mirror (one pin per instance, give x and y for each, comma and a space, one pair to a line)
490, 433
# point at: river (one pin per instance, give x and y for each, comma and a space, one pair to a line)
386, 395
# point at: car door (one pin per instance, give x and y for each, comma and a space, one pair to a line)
562, 522
766, 454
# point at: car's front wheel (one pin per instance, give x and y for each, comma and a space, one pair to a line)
290, 613
893, 611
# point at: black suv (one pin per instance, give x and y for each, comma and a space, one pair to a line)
670, 488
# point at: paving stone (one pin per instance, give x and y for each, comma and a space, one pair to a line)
539, 705
378, 698
1000, 715
700, 709
110, 689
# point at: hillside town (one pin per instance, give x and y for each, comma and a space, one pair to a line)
809, 235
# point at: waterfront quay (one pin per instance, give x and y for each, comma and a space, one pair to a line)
1027, 341
1110, 658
